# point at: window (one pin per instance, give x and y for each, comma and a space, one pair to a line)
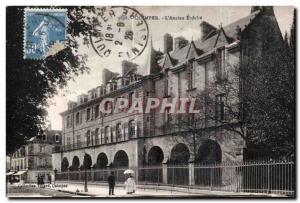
88, 114
44, 137
56, 137
133, 78
68, 141
115, 86
167, 115
130, 99
97, 136
68, 121
191, 74
78, 140
42, 149
118, 131
166, 86
41, 162
97, 111
108, 107
220, 107
131, 129
220, 63
31, 148
88, 138
106, 134
77, 119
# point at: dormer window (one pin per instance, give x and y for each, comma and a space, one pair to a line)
115, 86
120, 83
133, 78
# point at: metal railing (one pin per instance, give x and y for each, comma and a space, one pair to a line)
273, 177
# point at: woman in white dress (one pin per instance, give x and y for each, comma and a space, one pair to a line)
130, 185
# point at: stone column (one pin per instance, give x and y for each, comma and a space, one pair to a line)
191, 173
165, 172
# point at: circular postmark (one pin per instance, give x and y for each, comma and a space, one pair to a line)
119, 31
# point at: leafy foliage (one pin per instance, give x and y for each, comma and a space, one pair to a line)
30, 83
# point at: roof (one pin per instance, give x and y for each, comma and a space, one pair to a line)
230, 32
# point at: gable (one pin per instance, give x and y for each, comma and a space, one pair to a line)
221, 39
192, 52
167, 63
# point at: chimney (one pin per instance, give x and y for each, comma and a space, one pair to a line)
107, 75
98, 91
268, 10
206, 29
168, 43
128, 66
84, 98
79, 99
255, 8
71, 104
180, 42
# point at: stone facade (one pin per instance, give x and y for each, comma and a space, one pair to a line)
35, 157
133, 140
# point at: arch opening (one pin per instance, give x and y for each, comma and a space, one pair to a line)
102, 161
64, 164
180, 155
155, 156
209, 154
121, 159
75, 164
87, 162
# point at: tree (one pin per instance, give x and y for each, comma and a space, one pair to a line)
258, 103
30, 83
293, 34
187, 126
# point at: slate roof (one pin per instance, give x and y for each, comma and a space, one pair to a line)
206, 46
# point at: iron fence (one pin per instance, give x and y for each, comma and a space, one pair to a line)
274, 177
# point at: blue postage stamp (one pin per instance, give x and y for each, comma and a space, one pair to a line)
44, 32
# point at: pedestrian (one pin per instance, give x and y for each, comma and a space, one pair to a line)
111, 183
130, 185
38, 180
42, 180
49, 178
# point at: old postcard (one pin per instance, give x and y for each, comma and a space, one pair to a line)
150, 101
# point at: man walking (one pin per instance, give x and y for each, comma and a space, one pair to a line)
111, 183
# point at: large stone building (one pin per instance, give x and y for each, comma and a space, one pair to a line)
186, 69
35, 157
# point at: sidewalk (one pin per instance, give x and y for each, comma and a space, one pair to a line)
101, 190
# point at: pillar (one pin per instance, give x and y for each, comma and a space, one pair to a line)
165, 173
191, 173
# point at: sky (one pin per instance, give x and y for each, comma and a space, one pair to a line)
189, 29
